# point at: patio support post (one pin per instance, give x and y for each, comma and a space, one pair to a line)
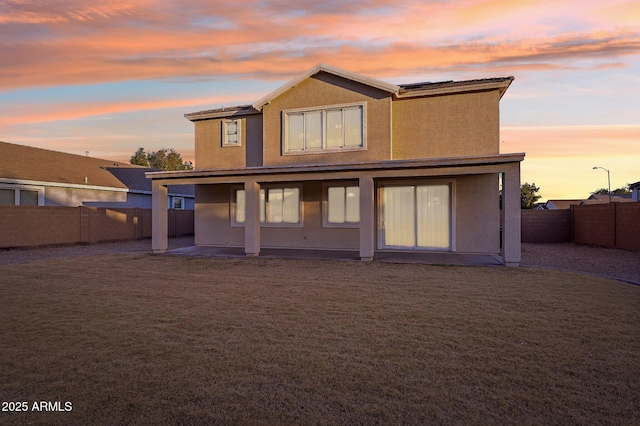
159, 215
252, 218
511, 231
367, 217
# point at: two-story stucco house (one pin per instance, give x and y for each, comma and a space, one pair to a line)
334, 160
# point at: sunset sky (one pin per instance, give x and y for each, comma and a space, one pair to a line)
111, 76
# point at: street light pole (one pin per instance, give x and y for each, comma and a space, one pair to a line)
608, 179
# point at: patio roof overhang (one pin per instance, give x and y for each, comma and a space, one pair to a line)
436, 166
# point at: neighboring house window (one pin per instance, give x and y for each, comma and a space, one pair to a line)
342, 205
7, 197
279, 206
21, 196
28, 198
331, 129
178, 203
231, 132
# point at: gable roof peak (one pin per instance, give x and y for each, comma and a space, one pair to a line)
359, 78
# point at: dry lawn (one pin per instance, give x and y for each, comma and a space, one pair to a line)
143, 339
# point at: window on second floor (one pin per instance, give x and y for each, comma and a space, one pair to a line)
335, 128
231, 133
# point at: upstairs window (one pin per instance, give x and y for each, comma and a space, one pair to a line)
231, 132
335, 128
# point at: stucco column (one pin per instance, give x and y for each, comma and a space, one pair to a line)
511, 231
159, 216
252, 219
367, 217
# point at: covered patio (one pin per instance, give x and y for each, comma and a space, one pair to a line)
368, 176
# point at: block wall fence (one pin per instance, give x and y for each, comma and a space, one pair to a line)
31, 226
613, 225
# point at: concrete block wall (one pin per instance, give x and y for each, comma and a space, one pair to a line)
23, 226
615, 225
628, 226
546, 226
181, 222
27, 226
594, 224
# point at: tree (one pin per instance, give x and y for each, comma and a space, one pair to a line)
619, 191
164, 159
140, 158
529, 195
624, 190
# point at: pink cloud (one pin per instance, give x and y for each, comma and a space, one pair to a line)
81, 43
17, 115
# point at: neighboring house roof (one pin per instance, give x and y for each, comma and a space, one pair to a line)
634, 185
399, 91
26, 164
561, 204
136, 180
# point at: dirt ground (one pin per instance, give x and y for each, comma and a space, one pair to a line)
613, 263
135, 338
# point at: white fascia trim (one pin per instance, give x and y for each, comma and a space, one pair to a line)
231, 113
171, 194
378, 84
502, 86
63, 185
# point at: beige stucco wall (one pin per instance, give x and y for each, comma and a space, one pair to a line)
211, 154
324, 90
212, 220
477, 218
428, 127
213, 225
477, 214
446, 126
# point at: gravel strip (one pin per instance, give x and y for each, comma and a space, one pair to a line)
619, 264
614, 263
9, 257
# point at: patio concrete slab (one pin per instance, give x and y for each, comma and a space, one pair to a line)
431, 258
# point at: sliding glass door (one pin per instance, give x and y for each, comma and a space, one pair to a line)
416, 217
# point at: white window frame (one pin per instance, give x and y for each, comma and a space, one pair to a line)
224, 126
418, 182
18, 188
173, 203
325, 204
264, 206
323, 110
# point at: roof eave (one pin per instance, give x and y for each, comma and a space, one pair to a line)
378, 84
501, 85
222, 113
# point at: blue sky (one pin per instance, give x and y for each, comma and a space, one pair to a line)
111, 76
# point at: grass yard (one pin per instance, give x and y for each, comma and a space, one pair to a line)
143, 339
